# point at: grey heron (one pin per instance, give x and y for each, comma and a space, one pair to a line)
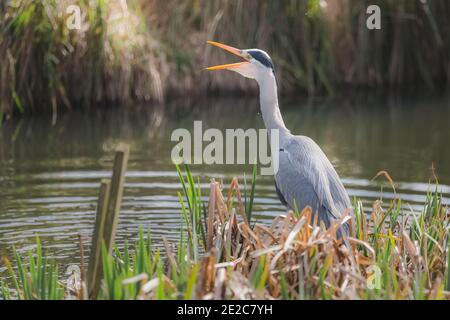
305, 176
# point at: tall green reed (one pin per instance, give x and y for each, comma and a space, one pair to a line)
410, 250
36, 278
316, 49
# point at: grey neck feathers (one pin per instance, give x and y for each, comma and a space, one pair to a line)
268, 99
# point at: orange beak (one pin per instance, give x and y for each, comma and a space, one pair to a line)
232, 50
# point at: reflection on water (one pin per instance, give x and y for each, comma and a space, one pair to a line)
49, 175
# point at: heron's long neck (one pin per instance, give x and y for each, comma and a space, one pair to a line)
268, 99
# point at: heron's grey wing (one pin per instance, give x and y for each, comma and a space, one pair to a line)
306, 177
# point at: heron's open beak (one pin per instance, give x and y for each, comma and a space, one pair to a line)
232, 50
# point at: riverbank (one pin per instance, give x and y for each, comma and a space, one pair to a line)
223, 254
138, 52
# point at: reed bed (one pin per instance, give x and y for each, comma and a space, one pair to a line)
47, 65
136, 50
390, 253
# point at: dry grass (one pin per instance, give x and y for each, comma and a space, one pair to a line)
390, 253
45, 66
295, 258
151, 49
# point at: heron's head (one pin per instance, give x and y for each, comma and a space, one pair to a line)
256, 64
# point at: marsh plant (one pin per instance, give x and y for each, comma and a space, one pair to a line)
135, 50
222, 253
37, 278
48, 65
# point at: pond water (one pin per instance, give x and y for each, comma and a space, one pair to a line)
50, 173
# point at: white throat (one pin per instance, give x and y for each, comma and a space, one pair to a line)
268, 99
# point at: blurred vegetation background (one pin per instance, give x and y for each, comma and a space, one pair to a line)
152, 50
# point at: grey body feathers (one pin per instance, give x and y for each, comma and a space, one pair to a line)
307, 178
